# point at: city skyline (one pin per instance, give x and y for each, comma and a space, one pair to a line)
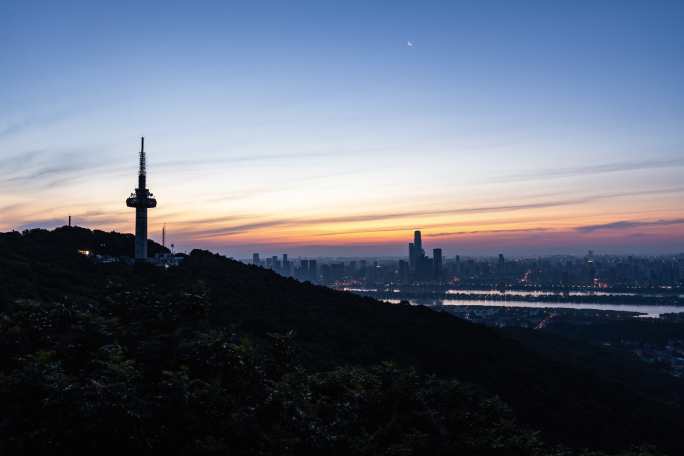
421, 276
339, 131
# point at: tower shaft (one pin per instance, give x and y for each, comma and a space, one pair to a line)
141, 233
141, 200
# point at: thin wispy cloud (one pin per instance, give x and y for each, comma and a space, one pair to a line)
212, 162
501, 231
604, 168
238, 229
213, 220
18, 126
17, 162
492, 208
464, 223
269, 157
47, 169
228, 229
10, 207
367, 231
628, 224
268, 189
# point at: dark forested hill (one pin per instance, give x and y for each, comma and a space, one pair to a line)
216, 355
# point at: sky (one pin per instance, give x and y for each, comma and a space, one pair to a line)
337, 128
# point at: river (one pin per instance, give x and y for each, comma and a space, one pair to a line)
653, 311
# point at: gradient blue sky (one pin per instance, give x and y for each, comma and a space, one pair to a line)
314, 128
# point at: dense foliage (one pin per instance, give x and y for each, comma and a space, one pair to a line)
218, 357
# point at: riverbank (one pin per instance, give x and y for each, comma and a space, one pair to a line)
529, 297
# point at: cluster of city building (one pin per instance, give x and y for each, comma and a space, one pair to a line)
419, 267
304, 269
598, 272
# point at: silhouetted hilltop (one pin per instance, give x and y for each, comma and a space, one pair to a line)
66, 240
215, 354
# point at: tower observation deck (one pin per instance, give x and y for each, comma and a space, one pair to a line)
141, 200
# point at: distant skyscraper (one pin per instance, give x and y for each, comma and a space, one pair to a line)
418, 243
141, 200
286, 265
437, 262
313, 270
303, 272
403, 271
417, 259
255, 259
412, 256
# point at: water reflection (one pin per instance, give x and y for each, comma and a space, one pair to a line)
540, 293
653, 311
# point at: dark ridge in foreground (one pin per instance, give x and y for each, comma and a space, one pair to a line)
215, 356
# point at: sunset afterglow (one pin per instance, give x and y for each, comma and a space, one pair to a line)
338, 138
